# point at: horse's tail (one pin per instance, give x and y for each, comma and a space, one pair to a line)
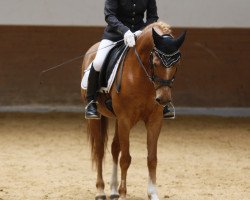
97, 130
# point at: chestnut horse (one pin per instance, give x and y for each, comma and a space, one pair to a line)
145, 89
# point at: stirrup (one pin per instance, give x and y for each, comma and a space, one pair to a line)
91, 111
169, 111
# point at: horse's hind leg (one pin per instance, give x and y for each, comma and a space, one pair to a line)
153, 126
97, 130
115, 149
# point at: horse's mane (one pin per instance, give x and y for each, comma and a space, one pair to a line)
165, 28
146, 36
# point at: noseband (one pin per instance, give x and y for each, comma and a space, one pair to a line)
168, 60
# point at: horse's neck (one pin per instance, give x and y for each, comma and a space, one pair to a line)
144, 46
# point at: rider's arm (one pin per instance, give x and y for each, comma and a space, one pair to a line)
152, 15
110, 12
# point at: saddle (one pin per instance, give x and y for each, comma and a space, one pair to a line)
116, 54
109, 70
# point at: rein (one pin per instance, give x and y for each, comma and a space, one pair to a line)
142, 65
153, 78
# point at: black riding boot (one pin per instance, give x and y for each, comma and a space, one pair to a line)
93, 86
169, 111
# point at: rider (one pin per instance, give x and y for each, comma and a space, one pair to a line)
125, 21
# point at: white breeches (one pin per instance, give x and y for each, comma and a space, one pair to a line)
103, 49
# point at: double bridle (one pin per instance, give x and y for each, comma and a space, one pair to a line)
168, 60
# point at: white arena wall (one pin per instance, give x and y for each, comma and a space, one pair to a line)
178, 13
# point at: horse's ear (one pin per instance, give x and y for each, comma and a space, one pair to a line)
156, 36
179, 41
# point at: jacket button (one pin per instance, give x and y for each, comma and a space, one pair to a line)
133, 19
133, 13
134, 5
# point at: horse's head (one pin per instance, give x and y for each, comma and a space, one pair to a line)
164, 59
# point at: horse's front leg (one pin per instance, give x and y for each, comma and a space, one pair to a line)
115, 149
125, 160
153, 125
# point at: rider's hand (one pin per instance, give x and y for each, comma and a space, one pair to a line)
137, 33
129, 38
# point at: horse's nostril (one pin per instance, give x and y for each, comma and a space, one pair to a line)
158, 100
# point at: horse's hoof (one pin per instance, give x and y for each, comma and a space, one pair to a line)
153, 197
102, 197
114, 197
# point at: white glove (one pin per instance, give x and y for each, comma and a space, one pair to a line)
129, 38
137, 33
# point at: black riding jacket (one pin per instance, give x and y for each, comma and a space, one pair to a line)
124, 15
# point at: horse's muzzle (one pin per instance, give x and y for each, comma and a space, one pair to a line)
163, 95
